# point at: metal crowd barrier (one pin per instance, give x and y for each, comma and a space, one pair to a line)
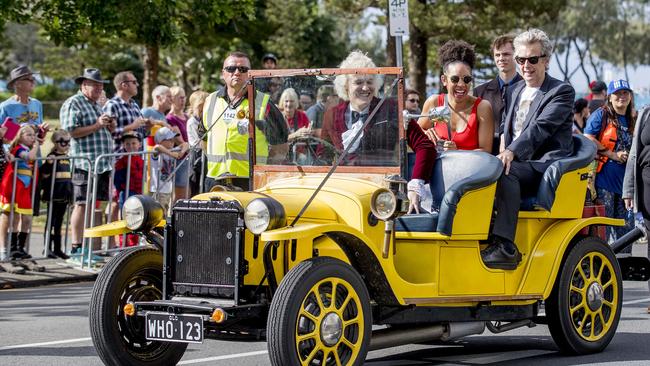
48, 224
185, 161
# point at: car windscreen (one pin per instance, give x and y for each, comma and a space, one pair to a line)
310, 120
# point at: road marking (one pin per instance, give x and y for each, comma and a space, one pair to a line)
74, 340
224, 357
638, 301
488, 358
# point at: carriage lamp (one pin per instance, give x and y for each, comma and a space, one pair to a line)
142, 213
263, 214
129, 309
218, 315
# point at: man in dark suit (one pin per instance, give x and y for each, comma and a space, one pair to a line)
494, 91
537, 132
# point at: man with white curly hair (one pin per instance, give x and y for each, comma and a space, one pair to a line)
537, 132
358, 94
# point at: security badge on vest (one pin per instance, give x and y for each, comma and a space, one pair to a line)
239, 116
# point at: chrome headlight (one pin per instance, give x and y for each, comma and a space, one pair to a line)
263, 214
383, 204
142, 213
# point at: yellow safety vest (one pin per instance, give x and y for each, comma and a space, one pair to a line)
227, 150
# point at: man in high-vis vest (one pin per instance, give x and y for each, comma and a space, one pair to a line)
225, 118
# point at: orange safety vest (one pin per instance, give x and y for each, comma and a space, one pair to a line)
607, 138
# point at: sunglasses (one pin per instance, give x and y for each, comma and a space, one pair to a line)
63, 142
131, 81
414, 100
533, 60
232, 69
455, 79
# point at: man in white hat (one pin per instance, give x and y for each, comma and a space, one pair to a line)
21, 107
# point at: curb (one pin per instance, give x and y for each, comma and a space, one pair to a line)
54, 273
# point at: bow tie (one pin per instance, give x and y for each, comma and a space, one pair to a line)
355, 116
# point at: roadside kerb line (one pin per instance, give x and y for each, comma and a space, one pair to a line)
74, 340
224, 357
637, 301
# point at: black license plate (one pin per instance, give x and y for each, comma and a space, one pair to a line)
174, 328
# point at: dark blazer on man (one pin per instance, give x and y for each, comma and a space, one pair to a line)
491, 92
546, 134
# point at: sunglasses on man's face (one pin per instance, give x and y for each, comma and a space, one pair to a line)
63, 142
533, 60
232, 69
455, 79
414, 100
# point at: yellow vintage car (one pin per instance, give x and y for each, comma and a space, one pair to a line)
323, 262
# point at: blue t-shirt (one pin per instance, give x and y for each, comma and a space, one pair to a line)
32, 112
610, 177
152, 113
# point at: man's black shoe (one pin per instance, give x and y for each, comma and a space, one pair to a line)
501, 254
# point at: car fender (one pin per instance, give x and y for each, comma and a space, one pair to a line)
355, 245
547, 255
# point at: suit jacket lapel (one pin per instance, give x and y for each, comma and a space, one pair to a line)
512, 105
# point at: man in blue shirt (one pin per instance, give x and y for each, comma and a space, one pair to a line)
21, 107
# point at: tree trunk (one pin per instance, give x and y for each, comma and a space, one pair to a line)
151, 56
418, 61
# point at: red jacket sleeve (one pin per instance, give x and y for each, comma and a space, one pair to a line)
425, 151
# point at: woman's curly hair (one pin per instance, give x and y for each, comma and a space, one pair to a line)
454, 51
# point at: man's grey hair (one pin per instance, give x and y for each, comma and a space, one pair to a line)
159, 90
531, 36
356, 59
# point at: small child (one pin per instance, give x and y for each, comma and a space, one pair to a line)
62, 193
163, 162
130, 143
24, 147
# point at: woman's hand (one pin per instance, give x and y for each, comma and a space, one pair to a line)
619, 156
432, 135
449, 145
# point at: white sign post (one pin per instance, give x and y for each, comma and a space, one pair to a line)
398, 15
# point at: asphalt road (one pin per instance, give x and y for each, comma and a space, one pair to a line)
49, 326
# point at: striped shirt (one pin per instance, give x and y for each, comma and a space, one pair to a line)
79, 111
125, 113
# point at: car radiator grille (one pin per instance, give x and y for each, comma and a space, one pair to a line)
206, 237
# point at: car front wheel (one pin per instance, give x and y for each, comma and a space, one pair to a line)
320, 315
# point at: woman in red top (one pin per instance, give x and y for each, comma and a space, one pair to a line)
297, 120
472, 126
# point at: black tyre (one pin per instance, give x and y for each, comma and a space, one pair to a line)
320, 315
585, 305
133, 275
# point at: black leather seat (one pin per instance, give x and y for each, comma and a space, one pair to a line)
454, 174
584, 152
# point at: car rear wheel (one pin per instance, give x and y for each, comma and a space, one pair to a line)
133, 275
320, 315
585, 306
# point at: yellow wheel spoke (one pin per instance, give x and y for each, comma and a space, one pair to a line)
577, 307
308, 315
591, 266
333, 300
600, 272
347, 343
582, 273
319, 300
582, 323
593, 325
608, 303
354, 320
311, 356
609, 283
577, 289
336, 358
602, 319
303, 337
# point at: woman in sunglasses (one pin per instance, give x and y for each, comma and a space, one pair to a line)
471, 121
470, 124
